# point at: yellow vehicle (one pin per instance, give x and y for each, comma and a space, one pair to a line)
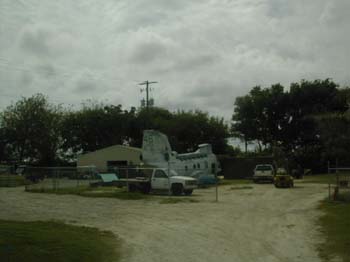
282, 179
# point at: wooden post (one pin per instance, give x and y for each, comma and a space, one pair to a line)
57, 180
127, 179
54, 181
169, 189
217, 189
78, 175
328, 167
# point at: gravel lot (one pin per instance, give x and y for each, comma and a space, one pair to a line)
261, 223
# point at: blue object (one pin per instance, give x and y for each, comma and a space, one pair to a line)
207, 180
109, 177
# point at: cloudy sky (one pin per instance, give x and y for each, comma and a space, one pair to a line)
203, 53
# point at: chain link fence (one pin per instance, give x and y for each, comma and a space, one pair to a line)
54, 178
339, 184
44, 179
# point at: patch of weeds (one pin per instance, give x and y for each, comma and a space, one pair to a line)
55, 241
123, 195
12, 181
226, 182
85, 191
290, 226
344, 197
175, 200
335, 228
318, 179
241, 187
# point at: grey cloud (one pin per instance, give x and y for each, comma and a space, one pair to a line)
86, 83
202, 53
35, 42
85, 86
280, 8
46, 70
336, 13
193, 62
26, 79
147, 52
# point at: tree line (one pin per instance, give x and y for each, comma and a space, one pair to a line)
307, 124
35, 131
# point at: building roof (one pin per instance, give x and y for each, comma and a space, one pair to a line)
136, 149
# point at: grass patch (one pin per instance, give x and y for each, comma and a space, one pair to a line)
241, 187
319, 179
86, 191
175, 200
124, 195
344, 197
12, 181
335, 224
55, 241
226, 182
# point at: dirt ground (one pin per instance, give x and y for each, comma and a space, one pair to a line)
261, 223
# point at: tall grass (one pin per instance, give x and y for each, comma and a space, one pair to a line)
55, 242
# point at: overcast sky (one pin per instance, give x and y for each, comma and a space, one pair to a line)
203, 53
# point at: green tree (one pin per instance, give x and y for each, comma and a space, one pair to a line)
4, 145
96, 126
244, 120
334, 133
149, 118
287, 119
32, 128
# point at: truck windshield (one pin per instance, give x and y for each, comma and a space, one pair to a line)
263, 168
160, 174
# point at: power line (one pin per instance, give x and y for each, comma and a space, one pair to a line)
29, 68
147, 89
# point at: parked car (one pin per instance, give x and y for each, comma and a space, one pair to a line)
263, 172
160, 180
203, 179
282, 179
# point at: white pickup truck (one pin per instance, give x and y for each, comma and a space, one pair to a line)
264, 172
160, 180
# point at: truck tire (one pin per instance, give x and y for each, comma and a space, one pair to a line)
146, 188
177, 189
188, 192
132, 188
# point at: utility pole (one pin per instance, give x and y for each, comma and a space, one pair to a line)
147, 89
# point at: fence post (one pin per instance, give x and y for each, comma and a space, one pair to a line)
169, 189
328, 167
58, 179
77, 177
127, 179
53, 181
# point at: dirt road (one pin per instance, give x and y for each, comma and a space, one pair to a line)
253, 224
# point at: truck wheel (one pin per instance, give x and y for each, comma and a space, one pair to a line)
146, 188
188, 192
177, 189
132, 188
